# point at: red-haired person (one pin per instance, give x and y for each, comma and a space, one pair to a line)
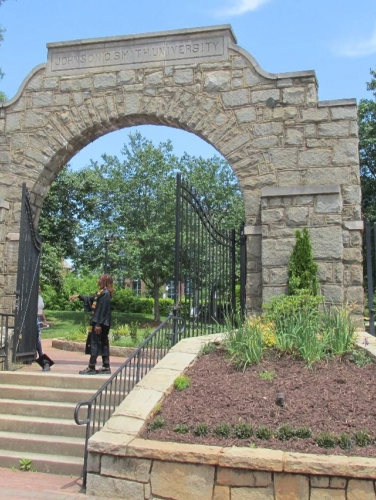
97, 343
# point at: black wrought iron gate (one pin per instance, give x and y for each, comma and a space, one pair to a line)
205, 266
26, 331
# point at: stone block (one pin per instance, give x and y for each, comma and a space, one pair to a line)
108, 487
297, 216
359, 489
314, 158
338, 482
327, 242
291, 487
252, 77
252, 493
176, 361
261, 129
345, 152
327, 494
126, 77
284, 158
257, 460
139, 403
94, 462
294, 95
245, 114
134, 469
235, 98
328, 203
294, 137
240, 477
217, 81
183, 76
334, 129
320, 481
221, 493
179, 481
343, 113
276, 253
261, 96
315, 115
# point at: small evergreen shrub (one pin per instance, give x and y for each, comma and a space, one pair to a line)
302, 269
285, 432
181, 429
223, 430
182, 382
344, 441
201, 429
360, 358
362, 438
157, 423
133, 327
303, 432
243, 431
263, 432
325, 440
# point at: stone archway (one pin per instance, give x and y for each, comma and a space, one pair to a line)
296, 158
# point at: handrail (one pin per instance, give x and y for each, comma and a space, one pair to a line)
104, 402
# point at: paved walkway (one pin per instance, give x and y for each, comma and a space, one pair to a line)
20, 485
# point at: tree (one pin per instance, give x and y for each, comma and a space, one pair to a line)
302, 269
68, 209
367, 150
138, 208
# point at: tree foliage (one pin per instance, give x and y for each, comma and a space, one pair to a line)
302, 269
367, 150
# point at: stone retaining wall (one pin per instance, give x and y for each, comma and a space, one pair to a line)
121, 465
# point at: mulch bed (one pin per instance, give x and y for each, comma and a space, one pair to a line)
336, 397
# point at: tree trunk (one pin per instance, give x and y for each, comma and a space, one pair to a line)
157, 315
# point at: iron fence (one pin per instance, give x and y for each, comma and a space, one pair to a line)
6, 333
104, 402
370, 255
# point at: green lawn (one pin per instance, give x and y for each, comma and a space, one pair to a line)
68, 324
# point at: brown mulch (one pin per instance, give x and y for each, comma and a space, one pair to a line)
336, 397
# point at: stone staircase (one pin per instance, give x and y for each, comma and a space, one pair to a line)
37, 423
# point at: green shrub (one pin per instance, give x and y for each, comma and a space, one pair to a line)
285, 432
243, 431
339, 330
303, 432
208, 348
182, 382
267, 375
243, 344
201, 429
157, 423
223, 430
302, 269
344, 441
181, 429
133, 328
362, 438
360, 358
263, 432
326, 440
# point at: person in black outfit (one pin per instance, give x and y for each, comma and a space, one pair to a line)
97, 343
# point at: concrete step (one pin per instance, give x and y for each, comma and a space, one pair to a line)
40, 425
37, 408
43, 462
18, 392
50, 379
38, 443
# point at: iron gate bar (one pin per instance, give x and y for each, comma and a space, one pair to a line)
26, 330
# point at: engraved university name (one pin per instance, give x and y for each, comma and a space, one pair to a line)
78, 59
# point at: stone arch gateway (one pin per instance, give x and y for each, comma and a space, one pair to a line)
296, 158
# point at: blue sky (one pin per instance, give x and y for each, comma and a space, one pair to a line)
336, 38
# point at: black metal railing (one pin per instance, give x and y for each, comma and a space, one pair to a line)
6, 333
104, 402
370, 254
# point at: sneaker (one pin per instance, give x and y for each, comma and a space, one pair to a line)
105, 370
88, 371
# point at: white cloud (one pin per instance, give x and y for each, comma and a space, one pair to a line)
241, 7
357, 48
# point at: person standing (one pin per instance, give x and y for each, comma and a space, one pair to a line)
43, 360
97, 343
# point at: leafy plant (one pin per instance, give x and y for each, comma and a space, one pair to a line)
182, 382
133, 328
362, 438
263, 432
201, 429
181, 429
243, 344
243, 431
223, 430
360, 358
302, 269
326, 440
157, 408
157, 423
208, 348
285, 432
267, 375
25, 464
303, 432
339, 329
344, 441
